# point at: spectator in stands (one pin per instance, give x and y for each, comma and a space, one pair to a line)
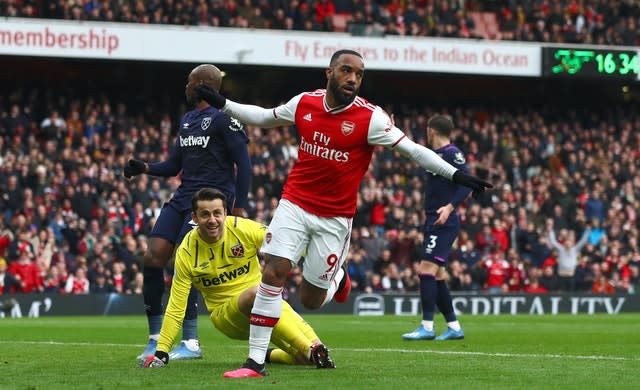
583, 277
534, 287
410, 280
595, 207
358, 271
467, 253
12, 198
53, 282
26, 271
549, 279
100, 285
78, 282
324, 10
53, 127
6, 238
568, 254
496, 267
391, 280
8, 282
602, 285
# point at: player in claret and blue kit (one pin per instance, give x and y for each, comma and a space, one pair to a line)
442, 226
210, 151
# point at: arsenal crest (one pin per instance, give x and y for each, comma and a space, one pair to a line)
205, 123
347, 127
237, 250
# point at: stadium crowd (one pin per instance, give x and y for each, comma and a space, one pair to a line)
71, 223
563, 216
558, 21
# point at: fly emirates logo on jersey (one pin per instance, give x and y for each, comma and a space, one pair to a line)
319, 147
191, 140
224, 277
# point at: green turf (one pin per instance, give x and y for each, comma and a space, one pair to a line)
499, 352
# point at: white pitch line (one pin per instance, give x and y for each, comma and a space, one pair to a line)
495, 354
72, 343
368, 350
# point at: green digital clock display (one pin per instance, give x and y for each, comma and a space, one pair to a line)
590, 63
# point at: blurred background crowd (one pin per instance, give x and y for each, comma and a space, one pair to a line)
563, 215
610, 22
68, 213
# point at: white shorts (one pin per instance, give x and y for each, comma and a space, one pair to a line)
293, 231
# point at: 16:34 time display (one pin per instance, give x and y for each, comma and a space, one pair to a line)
590, 63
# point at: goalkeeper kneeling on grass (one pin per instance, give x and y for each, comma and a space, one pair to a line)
220, 258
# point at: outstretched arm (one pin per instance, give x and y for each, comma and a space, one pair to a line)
429, 160
246, 113
583, 239
553, 241
426, 158
254, 115
383, 132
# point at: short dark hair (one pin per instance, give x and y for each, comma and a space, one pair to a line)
207, 194
442, 124
338, 53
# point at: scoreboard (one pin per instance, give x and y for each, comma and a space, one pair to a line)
584, 62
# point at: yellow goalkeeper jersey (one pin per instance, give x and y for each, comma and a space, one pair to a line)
219, 271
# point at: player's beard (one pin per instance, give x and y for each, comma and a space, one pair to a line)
191, 99
335, 90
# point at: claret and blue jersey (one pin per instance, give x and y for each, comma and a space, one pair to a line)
440, 191
208, 145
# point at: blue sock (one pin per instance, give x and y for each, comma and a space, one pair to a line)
190, 323
428, 292
152, 292
155, 323
444, 301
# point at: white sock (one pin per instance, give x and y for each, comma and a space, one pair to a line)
428, 325
264, 316
334, 286
192, 344
455, 325
154, 337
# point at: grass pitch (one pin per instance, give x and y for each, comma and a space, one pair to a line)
499, 352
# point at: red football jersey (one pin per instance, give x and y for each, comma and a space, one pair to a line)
335, 151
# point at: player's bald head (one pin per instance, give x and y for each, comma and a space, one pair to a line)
208, 74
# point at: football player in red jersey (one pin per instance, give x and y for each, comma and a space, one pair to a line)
338, 132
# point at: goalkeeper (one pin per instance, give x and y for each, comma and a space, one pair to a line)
220, 259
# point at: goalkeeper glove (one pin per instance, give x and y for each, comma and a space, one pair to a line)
133, 168
159, 360
475, 183
211, 96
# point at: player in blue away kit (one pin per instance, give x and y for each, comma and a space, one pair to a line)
209, 148
441, 228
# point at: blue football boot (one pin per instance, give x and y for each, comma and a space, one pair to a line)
420, 334
451, 334
186, 350
149, 350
